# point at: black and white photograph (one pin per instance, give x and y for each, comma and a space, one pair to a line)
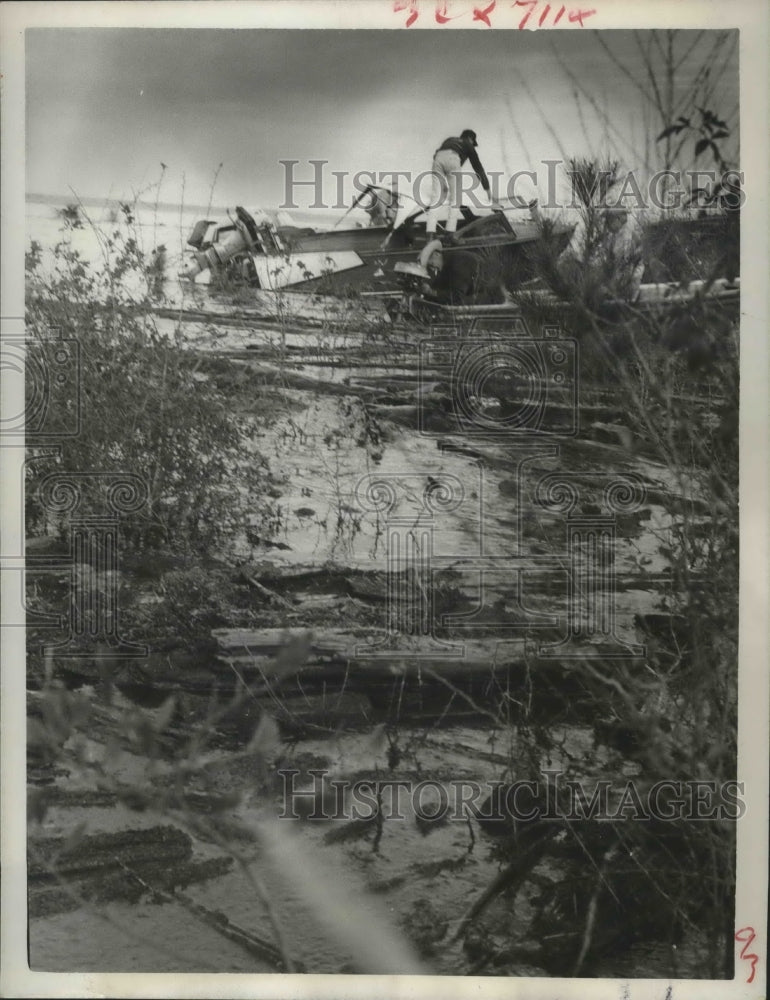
386, 406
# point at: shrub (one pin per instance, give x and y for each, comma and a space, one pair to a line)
147, 406
674, 371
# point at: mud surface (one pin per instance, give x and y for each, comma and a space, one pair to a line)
397, 683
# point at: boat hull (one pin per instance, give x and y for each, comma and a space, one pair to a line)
354, 261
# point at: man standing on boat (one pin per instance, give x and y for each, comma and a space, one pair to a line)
448, 161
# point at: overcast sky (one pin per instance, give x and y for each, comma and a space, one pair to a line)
106, 106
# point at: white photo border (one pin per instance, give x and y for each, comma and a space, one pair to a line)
751, 18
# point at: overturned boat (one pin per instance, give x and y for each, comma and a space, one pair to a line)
492, 252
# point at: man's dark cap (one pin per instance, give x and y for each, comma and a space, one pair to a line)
468, 133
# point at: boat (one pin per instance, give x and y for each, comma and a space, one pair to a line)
652, 298
489, 255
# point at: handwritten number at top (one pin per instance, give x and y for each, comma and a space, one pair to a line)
546, 14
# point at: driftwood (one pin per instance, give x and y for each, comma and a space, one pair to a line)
285, 311
62, 875
248, 940
269, 595
417, 678
292, 379
370, 651
510, 878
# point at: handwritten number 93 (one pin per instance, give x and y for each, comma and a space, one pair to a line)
745, 936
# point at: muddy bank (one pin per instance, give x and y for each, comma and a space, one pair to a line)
527, 568
425, 875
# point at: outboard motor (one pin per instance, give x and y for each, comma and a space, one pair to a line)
197, 237
217, 255
245, 237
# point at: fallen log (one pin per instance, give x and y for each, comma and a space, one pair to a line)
62, 876
269, 595
220, 922
509, 879
292, 379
